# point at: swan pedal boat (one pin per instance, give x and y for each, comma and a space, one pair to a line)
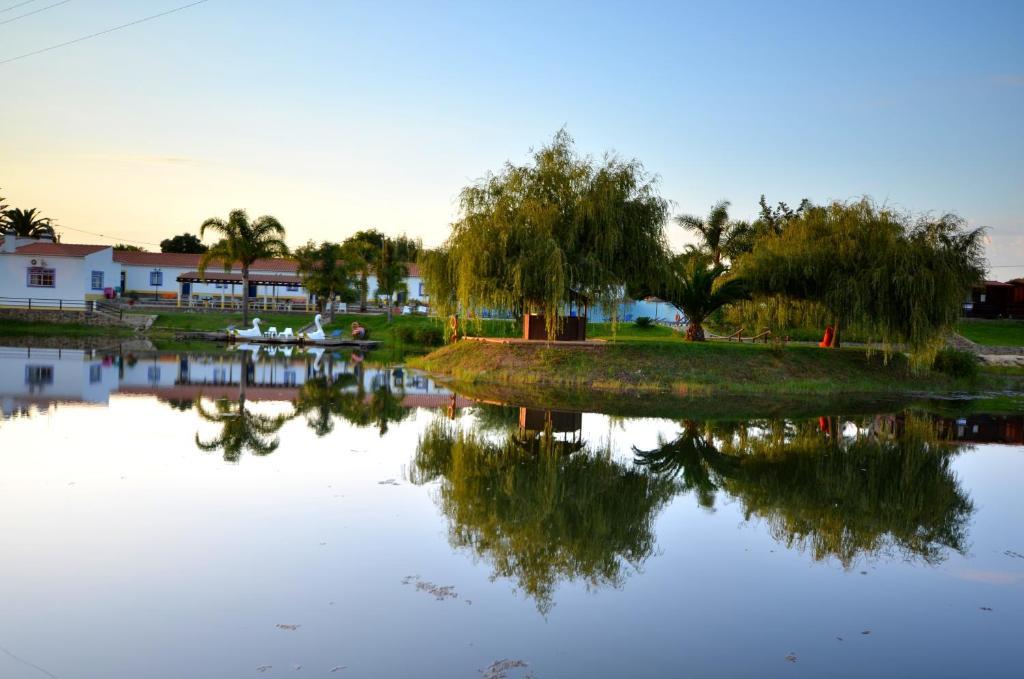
315, 337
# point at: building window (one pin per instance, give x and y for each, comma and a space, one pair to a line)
423, 290
97, 280
982, 298
153, 374
94, 373
156, 278
220, 286
292, 287
38, 375
38, 277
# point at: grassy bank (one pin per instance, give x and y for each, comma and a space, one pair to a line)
685, 368
995, 333
12, 328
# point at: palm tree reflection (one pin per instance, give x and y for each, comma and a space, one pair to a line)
241, 429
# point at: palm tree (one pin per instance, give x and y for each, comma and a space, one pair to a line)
243, 242
696, 286
28, 223
718, 235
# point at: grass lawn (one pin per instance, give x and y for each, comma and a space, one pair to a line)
682, 367
12, 328
995, 333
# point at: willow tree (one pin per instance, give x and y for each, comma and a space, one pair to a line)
898, 279
839, 492
534, 237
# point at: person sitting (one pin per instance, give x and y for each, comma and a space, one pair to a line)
358, 331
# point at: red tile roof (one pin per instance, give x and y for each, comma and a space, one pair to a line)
192, 261
218, 276
44, 249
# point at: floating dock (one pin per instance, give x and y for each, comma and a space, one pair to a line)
293, 341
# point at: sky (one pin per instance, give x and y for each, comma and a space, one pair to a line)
338, 116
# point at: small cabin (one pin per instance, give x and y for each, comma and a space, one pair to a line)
991, 299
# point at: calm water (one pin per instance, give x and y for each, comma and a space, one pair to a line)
232, 515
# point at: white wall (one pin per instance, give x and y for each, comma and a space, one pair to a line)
70, 280
101, 261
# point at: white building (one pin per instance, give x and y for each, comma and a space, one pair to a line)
40, 269
43, 270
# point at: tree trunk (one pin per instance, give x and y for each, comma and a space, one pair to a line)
694, 331
835, 336
363, 285
245, 295
389, 307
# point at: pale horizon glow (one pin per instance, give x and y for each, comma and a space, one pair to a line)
336, 116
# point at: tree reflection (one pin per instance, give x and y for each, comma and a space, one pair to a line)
886, 487
323, 398
539, 513
241, 429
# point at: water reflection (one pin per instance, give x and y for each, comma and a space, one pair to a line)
539, 506
836, 488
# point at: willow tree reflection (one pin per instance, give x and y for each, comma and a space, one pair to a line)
540, 513
884, 487
379, 406
324, 398
241, 429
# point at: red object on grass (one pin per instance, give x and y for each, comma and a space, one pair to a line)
826, 341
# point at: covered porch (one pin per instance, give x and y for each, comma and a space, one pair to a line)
228, 294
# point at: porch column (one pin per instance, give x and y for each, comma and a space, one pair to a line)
180, 284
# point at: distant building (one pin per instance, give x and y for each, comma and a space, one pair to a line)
994, 299
42, 269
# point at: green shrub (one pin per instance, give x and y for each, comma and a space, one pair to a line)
643, 322
429, 336
956, 363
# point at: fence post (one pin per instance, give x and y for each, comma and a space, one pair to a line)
60, 305
30, 304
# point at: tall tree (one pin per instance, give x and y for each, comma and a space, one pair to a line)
534, 237
717, 233
326, 273
899, 279
186, 243
391, 273
124, 247
244, 242
28, 223
698, 285
361, 249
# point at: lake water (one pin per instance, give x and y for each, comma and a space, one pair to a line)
239, 515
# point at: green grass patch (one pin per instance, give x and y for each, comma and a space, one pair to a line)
994, 333
13, 328
688, 368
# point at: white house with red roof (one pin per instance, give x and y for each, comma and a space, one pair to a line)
41, 269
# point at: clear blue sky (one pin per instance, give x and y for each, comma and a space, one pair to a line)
336, 116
